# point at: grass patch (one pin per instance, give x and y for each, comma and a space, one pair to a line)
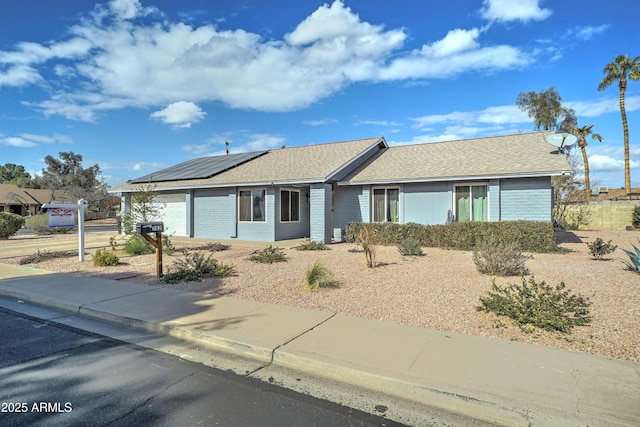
195, 266
312, 245
45, 255
319, 276
268, 255
104, 258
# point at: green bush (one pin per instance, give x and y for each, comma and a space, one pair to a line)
634, 258
410, 247
104, 258
502, 259
40, 225
311, 245
635, 216
319, 276
531, 236
194, 266
138, 245
268, 255
10, 224
598, 248
537, 305
45, 255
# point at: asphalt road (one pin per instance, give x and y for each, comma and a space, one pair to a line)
53, 374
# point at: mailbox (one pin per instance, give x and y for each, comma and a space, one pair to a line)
149, 227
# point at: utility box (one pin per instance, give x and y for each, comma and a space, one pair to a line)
149, 227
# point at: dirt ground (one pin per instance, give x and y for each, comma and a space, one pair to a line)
439, 290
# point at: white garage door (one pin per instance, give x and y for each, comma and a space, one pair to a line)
173, 213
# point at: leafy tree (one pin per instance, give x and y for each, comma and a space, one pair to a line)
15, 174
620, 70
67, 174
582, 133
546, 110
144, 207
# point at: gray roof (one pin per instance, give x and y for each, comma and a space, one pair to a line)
202, 167
517, 155
295, 165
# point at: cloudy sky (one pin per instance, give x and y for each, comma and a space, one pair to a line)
138, 85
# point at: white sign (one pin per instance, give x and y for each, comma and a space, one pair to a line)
61, 217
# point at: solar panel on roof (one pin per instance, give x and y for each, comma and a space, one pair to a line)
200, 168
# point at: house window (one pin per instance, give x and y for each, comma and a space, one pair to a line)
386, 205
251, 206
472, 203
289, 206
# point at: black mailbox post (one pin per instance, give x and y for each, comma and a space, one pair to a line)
146, 228
149, 227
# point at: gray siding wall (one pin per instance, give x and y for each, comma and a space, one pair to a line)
320, 216
346, 208
293, 230
525, 199
426, 203
261, 231
494, 200
214, 213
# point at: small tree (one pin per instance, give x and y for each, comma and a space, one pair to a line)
582, 133
546, 110
144, 207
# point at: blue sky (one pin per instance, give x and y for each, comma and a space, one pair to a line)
137, 86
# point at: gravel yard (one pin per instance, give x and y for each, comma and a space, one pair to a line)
439, 290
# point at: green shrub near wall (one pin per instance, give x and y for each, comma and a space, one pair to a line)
10, 224
532, 236
40, 225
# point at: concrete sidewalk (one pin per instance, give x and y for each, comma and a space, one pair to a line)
491, 380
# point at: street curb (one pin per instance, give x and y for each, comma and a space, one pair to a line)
462, 402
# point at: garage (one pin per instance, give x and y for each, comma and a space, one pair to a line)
173, 213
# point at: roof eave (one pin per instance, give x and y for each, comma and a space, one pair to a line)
455, 178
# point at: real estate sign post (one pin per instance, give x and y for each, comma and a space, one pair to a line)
62, 218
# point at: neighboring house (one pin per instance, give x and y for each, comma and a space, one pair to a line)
315, 191
22, 201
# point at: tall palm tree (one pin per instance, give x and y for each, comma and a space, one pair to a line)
582, 133
621, 69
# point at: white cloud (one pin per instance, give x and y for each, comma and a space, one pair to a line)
603, 106
19, 75
45, 139
180, 114
377, 123
14, 141
118, 61
586, 32
320, 122
499, 115
510, 10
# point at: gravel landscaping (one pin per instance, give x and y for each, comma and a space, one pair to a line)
439, 290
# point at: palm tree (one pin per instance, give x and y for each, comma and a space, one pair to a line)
621, 69
582, 133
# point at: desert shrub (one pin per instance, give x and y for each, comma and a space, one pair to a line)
210, 247
502, 259
634, 258
598, 248
167, 245
311, 245
40, 225
410, 247
194, 266
45, 255
138, 245
536, 304
103, 258
10, 224
635, 216
319, 276
365, 240
532, 236
268, 255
